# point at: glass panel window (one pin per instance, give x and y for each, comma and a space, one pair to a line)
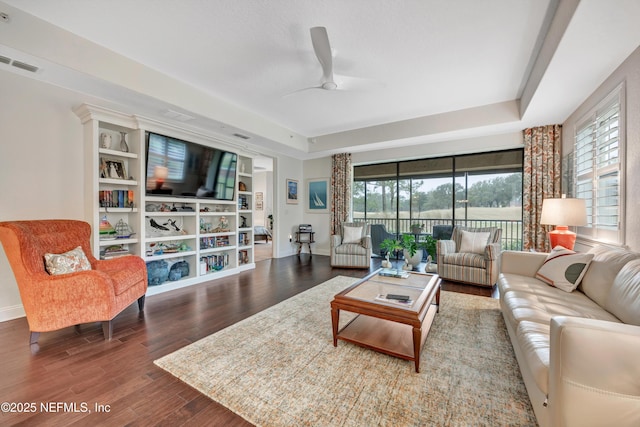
598, 160
474, 190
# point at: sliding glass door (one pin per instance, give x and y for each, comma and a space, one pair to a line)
480, 190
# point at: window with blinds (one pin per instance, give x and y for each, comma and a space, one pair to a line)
598, 168
168, 152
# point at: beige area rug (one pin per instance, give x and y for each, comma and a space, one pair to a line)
279, 368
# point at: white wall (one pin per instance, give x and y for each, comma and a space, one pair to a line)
41, 165
286, 216
628, 72
321, 222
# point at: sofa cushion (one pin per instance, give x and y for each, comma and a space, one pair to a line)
624, 299
534, 339
351, 249
352, 234
474, 242
564, 268
69, 262
466, 259
541, 307
602, 271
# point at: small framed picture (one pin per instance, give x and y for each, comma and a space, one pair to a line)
112, 168
259, 201
292, 191
318, 195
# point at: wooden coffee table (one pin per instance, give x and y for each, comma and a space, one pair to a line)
392, 328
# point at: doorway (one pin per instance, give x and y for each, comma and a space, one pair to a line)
263, 208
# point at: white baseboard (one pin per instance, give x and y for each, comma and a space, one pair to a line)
12, 312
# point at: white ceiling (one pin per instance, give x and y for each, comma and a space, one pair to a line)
421, 61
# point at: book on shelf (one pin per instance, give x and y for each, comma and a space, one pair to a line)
402, 303
390, 272
116, 198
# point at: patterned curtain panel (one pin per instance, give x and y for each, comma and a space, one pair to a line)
340, 190
541, 179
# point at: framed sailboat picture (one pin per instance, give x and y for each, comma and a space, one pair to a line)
318, 195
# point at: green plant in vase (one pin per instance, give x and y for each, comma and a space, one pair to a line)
409, 244
390, 246
429, 245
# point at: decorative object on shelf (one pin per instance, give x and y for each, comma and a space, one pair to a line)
168, 227
112, 168
107, 232
179, 270
223, 224
157, 272
123, 142
242, 186
105, 140
318, 195
241, 167
292, 191
123, 231
244, 222
113, 251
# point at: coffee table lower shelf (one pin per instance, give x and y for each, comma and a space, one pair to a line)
386, 336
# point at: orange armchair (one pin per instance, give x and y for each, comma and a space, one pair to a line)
54, 302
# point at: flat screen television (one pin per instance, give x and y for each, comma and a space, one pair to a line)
178, 168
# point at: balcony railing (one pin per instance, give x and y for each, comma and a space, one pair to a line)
511, 229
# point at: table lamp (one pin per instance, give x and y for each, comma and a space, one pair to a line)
160, 173
562, 213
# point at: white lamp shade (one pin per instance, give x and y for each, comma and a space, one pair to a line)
160, 173
564, 212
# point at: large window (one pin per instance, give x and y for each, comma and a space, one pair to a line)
599, 141
475, 190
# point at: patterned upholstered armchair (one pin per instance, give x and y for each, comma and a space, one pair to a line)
471, 256
352, 247
95, 290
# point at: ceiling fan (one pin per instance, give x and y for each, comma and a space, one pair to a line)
320, 41
330, 82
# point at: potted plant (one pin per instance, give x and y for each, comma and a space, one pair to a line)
389, 246
416, 228
412, 252
429, 245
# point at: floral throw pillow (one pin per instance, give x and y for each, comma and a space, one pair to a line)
68, 262
564, 268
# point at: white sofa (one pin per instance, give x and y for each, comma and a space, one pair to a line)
578, 352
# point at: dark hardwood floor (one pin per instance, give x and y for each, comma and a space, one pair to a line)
82, 369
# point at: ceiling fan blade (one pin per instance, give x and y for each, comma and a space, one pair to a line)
306, 89
321, 46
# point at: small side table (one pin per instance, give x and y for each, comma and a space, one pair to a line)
305, 238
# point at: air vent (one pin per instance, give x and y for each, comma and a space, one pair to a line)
25, 66
181, 117
4, 59
241, 136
